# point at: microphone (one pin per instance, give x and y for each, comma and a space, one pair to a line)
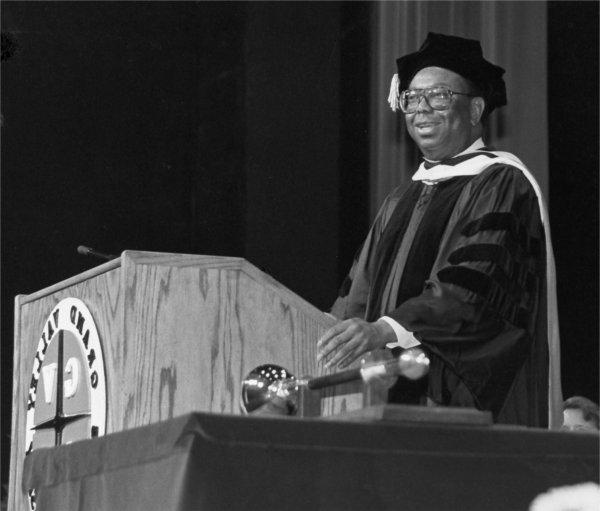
412, 364
87, 251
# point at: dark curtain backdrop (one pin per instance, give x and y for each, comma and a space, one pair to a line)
240, 129
573, 162
226, 128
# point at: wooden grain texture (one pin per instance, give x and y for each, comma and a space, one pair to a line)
17, 419
89, 274
195, 330
179, 334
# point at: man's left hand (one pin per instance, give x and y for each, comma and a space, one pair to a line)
352, 338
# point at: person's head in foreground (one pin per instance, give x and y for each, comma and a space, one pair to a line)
580, 414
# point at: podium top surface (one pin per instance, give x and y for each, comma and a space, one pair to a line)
130, 258
141, 257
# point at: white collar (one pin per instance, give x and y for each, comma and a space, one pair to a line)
467, 167
475, 146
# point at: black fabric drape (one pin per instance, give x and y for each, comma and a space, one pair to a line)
423, 251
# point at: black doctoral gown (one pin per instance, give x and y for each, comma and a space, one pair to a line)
462, 265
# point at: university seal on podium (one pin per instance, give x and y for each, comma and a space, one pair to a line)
67, 391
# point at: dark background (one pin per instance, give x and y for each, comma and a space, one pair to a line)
241, 129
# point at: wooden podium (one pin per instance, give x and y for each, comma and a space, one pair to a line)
178, 334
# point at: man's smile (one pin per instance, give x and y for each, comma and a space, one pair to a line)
424, 127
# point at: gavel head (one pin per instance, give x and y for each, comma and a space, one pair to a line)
269, 389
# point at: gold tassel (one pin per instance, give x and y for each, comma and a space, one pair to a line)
394, 97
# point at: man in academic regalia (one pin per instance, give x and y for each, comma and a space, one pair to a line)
459, 261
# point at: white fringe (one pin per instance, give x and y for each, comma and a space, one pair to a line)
394, 97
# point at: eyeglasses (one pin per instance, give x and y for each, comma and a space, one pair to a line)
438, 98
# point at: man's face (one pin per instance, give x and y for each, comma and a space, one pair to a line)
441, 133
573, 421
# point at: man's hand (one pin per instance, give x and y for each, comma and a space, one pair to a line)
352, 338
